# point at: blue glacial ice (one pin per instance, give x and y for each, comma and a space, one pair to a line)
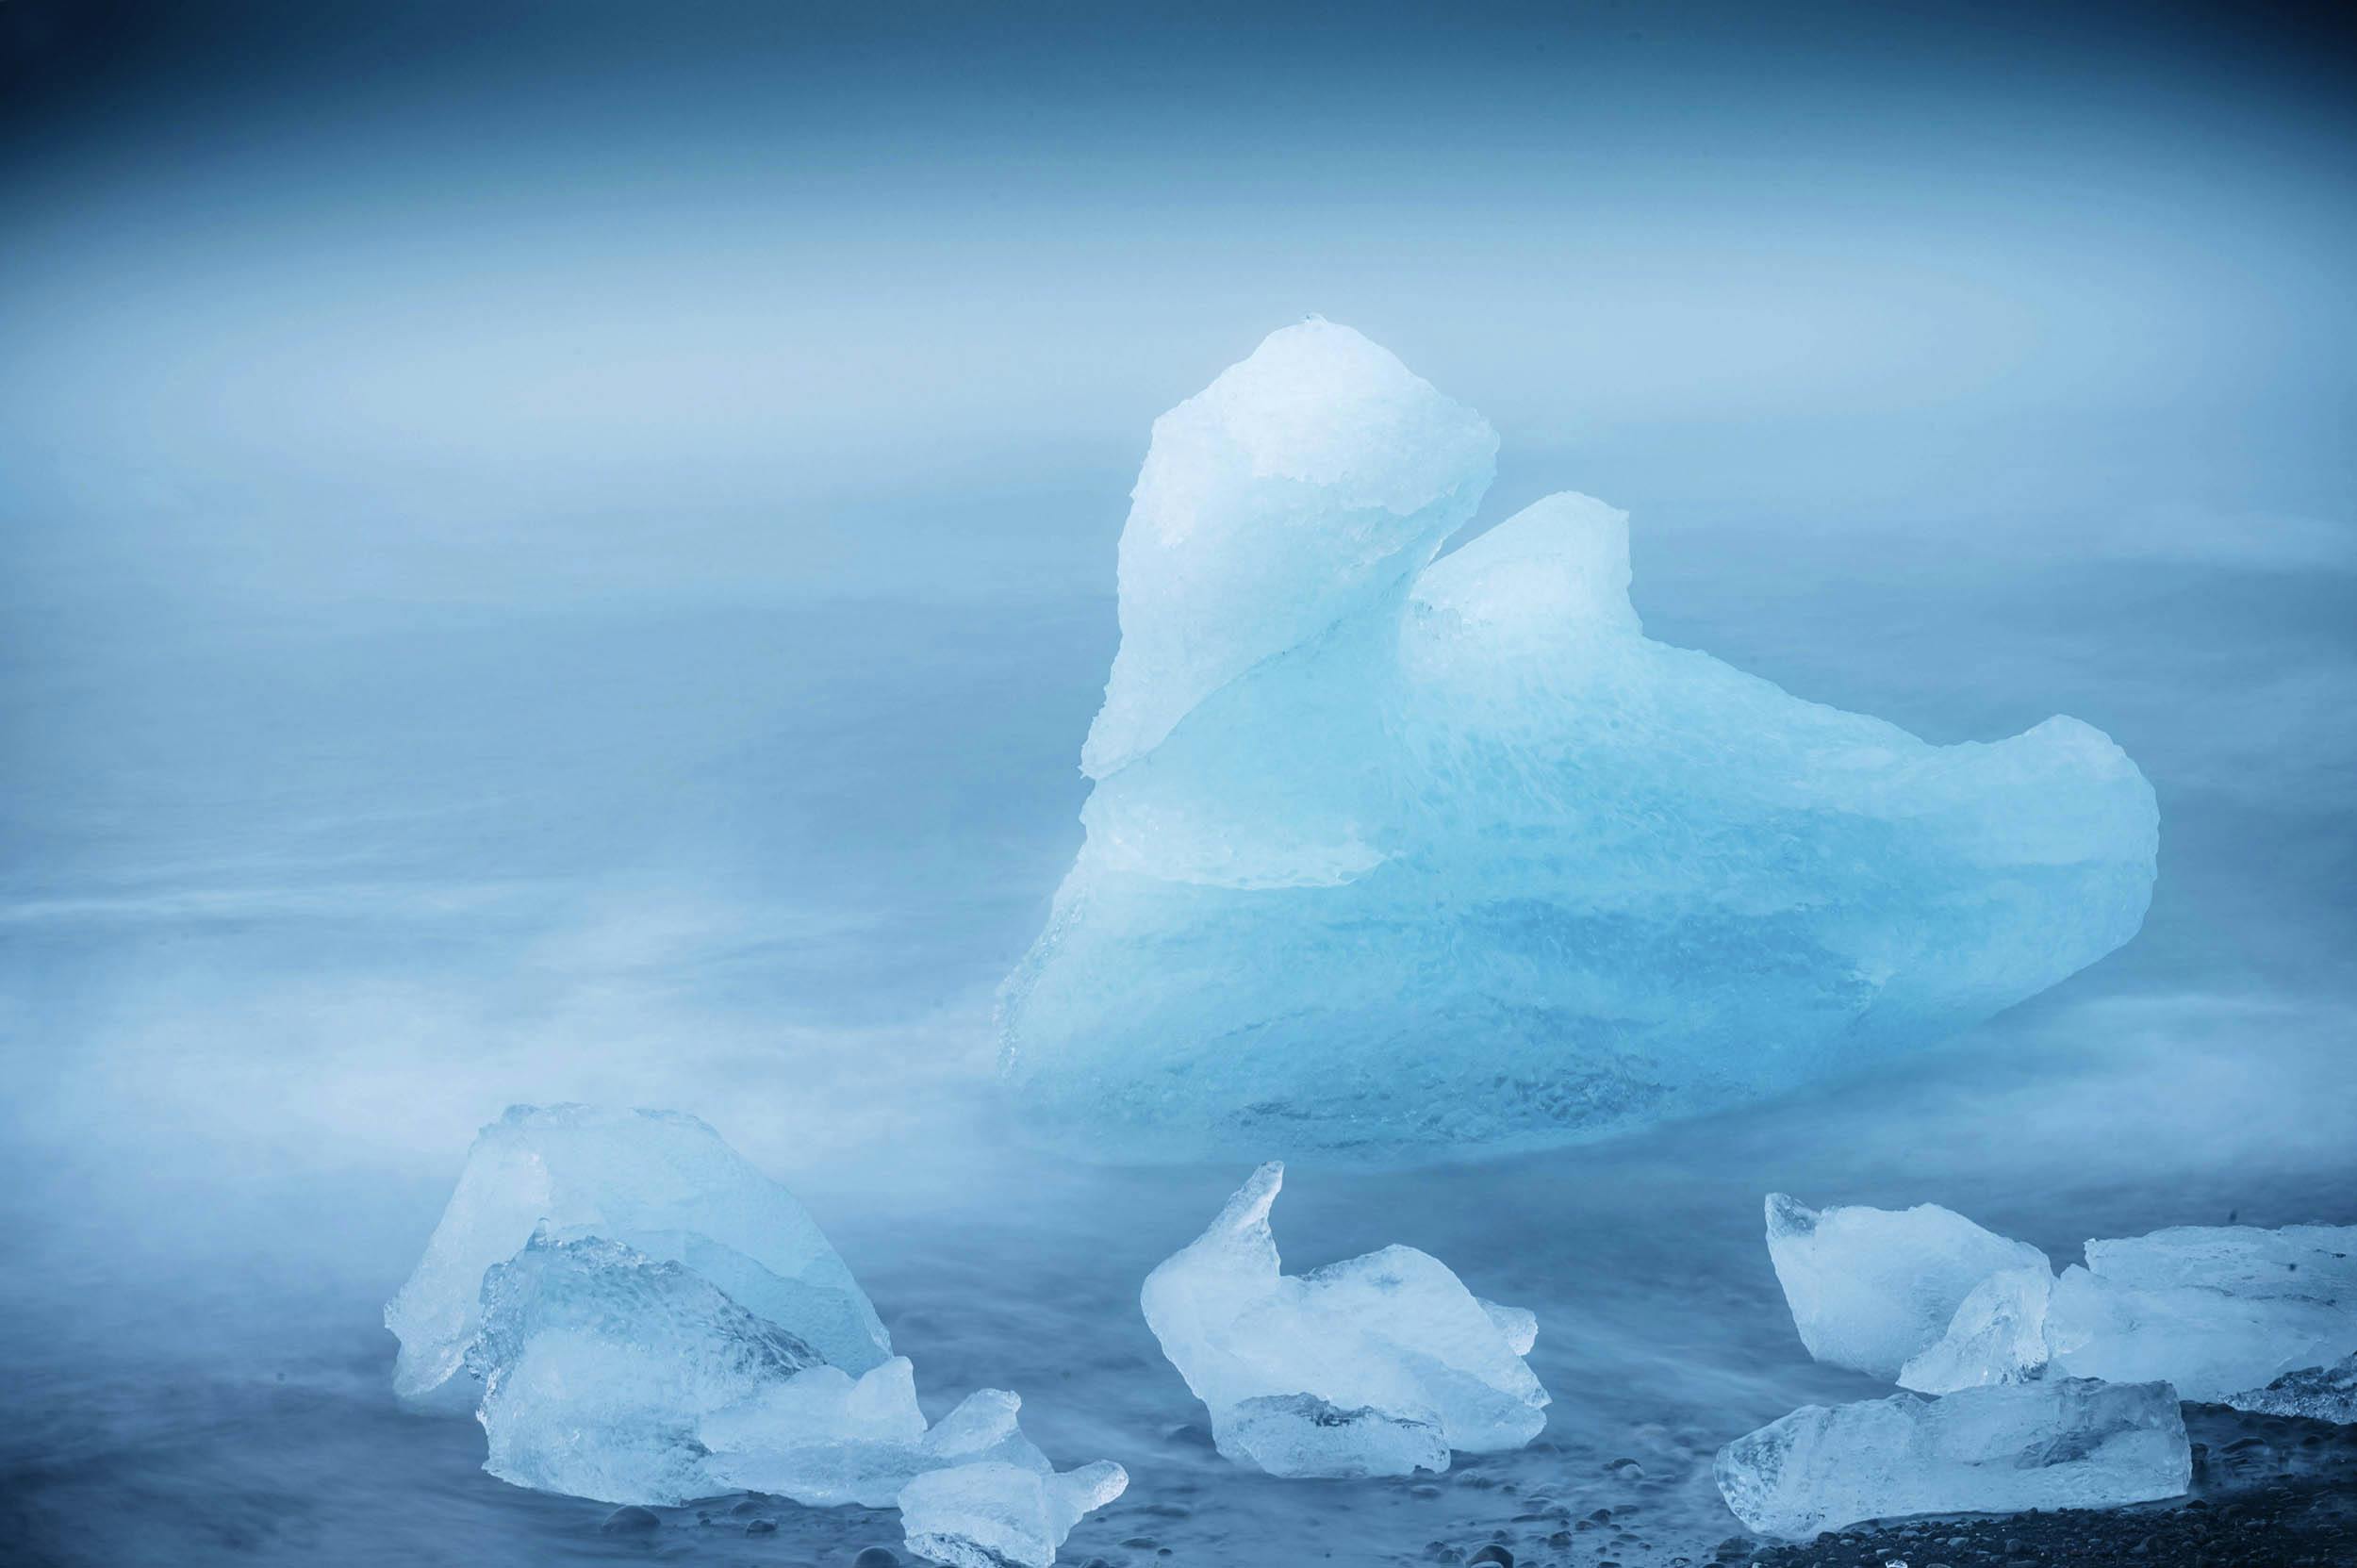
1378, 1365
657, 1181
2068, 1442
1393, 854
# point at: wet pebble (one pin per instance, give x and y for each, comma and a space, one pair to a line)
762, 1526
1494, 1553
632, 1520
877, 1557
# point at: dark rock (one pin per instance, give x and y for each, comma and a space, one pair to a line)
876, 1557
1494, 1553
762, 1526
632, 1520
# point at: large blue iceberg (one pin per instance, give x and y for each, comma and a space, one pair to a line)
1391, 855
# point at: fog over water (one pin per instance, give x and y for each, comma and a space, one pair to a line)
571, 557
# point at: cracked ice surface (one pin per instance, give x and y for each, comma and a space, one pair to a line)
2068, 1443
657, 1181
1377, 1365
1392, 855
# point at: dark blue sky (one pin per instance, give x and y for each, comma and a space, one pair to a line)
745, 239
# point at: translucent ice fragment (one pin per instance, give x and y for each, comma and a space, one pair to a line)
992, 1515
1302, 485
2212, 1343
1872, 1288
2298, 1262
2222, 1311
657, 1181
2317, 1392
1390, 855
1374, 1366
598, 1362
2217, 1312
822, 1439
1997, 1336
2064, 1442
611, 1375
1300, 1434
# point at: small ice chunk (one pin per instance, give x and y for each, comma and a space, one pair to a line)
1997, 1336
2212, 1343
822, 1438
2222, 1311
657, 1181
597, 1363
611, 1375
1520, 1325
2066, 1442
991, 1514
1870, 1289
1375, 1366
2319, 1393
2217, 1312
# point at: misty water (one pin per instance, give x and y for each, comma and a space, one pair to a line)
297, 901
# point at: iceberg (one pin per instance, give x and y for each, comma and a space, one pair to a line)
659, 1183
1870, 1289
2067, 1442
1390, 852
1378, 1365
994, 1514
